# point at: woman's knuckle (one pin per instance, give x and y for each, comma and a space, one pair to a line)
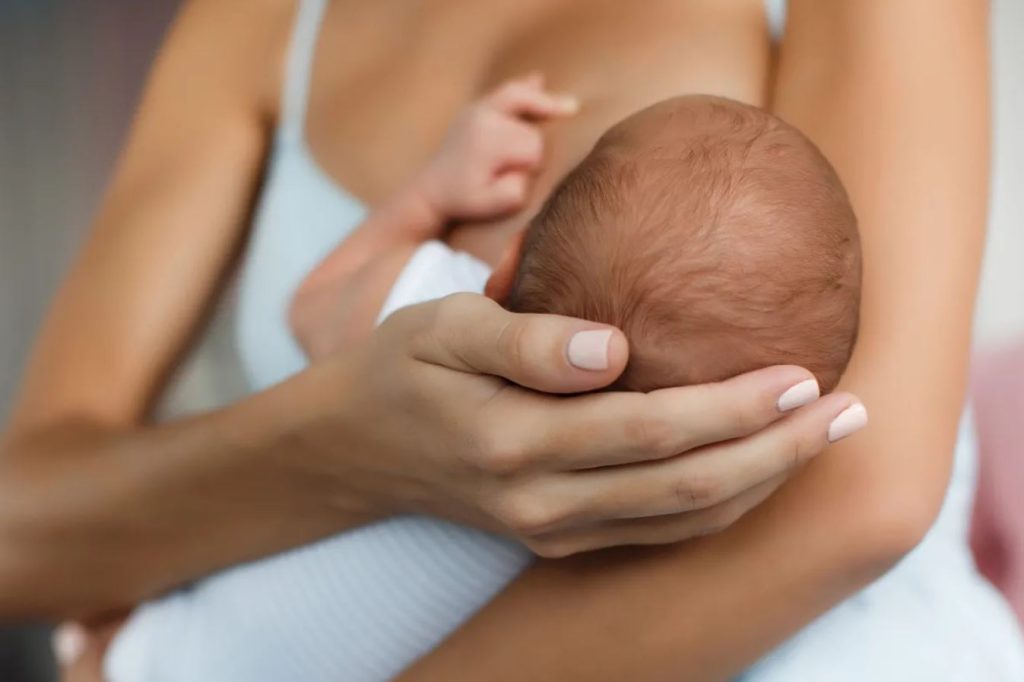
651, 434
419, 339
452, 307
527, 513
513, 345
446, 309
500, 452
698, 492
403, 322
807, 447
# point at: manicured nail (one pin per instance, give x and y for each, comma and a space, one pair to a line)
850, 420
68, 643
589, 349
798, 395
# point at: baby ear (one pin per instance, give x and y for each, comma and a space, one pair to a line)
499, 286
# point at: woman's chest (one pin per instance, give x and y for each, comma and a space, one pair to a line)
390, 76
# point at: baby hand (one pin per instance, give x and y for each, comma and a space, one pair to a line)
487, 160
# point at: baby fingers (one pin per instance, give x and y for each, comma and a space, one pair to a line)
526, 97
505, 194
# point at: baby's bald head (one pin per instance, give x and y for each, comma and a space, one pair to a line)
716, 236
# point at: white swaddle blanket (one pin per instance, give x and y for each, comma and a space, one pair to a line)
363, 605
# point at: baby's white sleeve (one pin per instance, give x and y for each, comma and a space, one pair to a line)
435, 271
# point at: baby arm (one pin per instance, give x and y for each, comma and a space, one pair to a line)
483, 170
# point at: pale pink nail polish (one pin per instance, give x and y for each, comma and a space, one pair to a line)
798, 395
589, 349
849, 421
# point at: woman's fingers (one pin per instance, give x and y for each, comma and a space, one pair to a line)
544, 502
655, 530
622, 428
548, 353
708, 476
544, 466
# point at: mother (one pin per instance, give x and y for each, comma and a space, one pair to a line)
324, 449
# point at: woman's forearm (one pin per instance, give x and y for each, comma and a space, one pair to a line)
93, 517
700, 611
896, 95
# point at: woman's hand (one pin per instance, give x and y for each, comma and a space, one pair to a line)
441, 420
423, 418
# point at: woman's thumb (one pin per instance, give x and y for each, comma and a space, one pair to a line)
548, 353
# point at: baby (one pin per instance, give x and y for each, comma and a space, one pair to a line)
716, 236
713, 234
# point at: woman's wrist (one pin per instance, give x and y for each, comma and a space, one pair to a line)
168, 503
317, 443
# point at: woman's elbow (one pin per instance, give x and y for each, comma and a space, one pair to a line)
894, 518
898, 526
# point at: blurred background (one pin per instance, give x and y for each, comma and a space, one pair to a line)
70, 73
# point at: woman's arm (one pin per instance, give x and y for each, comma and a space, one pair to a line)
86, 490
897, 96
99, 508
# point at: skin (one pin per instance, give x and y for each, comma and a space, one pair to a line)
848, 517
483, 170
266, 473
714, 47
917, 175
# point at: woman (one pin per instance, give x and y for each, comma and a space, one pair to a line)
848, 516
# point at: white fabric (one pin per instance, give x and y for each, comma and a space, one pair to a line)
435, 271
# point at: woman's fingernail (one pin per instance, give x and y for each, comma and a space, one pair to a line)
589, 349
68, 642
798, 395
850, 420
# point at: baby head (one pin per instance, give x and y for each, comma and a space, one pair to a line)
716, 236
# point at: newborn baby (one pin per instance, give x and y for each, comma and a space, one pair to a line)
713, 234
716, 236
